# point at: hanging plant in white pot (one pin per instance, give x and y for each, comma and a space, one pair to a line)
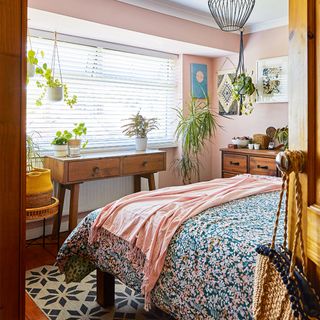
139, 127
55, 88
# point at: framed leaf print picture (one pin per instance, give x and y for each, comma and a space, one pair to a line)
199, 80
227, 105
272, 80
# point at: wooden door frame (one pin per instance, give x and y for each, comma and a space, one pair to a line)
13, 26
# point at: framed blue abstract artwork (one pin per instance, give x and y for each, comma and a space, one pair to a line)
199, 80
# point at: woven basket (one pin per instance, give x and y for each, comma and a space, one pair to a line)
262, 139
43, 212
38, 200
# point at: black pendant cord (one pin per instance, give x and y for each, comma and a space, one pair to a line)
240, 67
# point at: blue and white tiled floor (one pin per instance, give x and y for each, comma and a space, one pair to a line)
75, 301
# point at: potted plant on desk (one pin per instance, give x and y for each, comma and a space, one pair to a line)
74, 145
60, 143
139, 127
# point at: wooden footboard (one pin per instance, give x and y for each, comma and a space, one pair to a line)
105, 289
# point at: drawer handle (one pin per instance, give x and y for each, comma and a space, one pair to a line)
144, 163
95, 171
234, 163
262, 167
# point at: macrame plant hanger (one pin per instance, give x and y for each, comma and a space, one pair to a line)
55, 92
240, 68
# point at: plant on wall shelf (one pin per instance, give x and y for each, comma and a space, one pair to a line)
139, 127
194, 129
282, 135
244, 92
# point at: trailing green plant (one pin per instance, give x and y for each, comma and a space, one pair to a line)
61, 138
194, 129
139, 126
79, 130
282, 135
244, 92
49, 81
32, 59
33, 155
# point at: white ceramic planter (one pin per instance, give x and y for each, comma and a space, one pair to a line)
60, 150
74, 147
141, 144
31, 70
55, 94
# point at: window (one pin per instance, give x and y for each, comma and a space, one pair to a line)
111, 85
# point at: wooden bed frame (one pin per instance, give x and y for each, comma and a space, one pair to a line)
105, 289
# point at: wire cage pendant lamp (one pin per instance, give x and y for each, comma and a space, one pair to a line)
231, 15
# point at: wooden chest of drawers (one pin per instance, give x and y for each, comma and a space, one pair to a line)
238, 161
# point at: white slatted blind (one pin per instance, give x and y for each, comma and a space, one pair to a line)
110, 85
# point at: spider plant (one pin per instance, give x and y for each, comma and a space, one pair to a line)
33, 156
194, 129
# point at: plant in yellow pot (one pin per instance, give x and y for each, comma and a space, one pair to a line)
38, 180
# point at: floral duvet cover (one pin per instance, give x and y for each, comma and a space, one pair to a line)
209, 267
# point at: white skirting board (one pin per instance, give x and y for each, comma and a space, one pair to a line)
93, 195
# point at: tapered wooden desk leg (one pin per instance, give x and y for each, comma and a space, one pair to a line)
137, 183
151, 182
74, 204
58, 219
105, 289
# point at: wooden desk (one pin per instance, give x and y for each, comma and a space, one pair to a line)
69, 173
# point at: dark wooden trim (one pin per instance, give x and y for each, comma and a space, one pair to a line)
105, 289
13, 20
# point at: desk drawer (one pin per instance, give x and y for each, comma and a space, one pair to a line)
94, 169
143, 164
263, 166
234, 163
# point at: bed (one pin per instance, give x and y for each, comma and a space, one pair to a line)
209, 265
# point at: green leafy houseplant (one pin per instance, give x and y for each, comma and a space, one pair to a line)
194, 129
139, 126
49, 81
282, 135
61, 138
244, 91
32, 63
80, 130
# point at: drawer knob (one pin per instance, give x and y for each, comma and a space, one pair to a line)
234, 163
95, 171
144, 163
262, 167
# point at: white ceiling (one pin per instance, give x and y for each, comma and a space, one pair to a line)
266, 13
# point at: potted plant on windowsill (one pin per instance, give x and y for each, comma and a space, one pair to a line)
74, 145
139, 127
60, 143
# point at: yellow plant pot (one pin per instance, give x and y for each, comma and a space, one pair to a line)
39, 188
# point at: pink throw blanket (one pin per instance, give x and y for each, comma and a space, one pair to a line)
149, 219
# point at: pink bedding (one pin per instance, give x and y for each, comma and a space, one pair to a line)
148, 220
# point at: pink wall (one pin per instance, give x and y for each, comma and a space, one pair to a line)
117, 14
260, 45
